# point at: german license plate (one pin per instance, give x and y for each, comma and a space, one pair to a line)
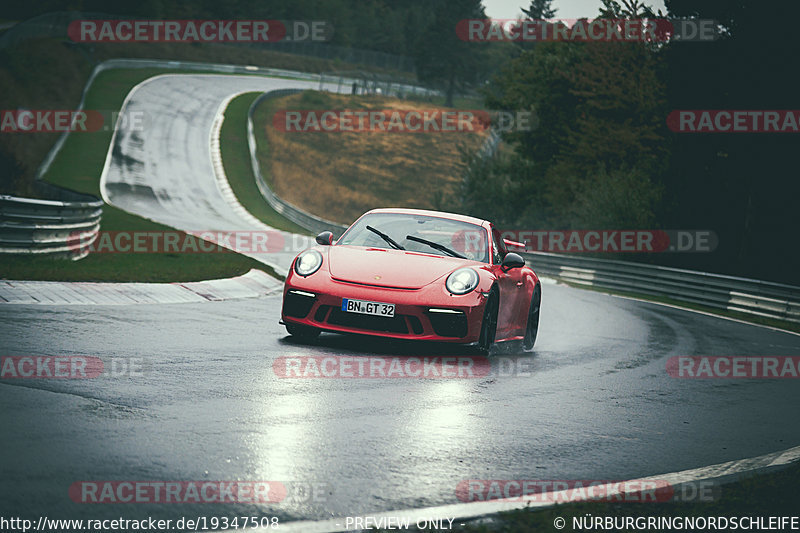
367, 308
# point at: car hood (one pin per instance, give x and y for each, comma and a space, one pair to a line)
389, 268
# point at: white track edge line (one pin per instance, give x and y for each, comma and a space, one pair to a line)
479, 509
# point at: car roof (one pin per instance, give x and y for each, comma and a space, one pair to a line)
440, 214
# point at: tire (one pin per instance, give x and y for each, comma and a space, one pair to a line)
304, 333
489, 323
532, 328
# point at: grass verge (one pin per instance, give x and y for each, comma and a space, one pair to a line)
341, 175
236, 161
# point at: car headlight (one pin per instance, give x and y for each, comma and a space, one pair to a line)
462, 281
308, 262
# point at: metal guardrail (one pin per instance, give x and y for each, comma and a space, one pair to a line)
58, 228
292, 212
750, 296
360, 82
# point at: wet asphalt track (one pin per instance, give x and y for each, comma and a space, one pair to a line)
598, 404
164, 170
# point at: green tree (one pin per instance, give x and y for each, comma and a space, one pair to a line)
443, 58
540, 9
599, 150
743, 186
626, 9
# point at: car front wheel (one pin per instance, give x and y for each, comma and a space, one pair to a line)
489, 323
533, 320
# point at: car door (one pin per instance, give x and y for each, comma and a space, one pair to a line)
512, 288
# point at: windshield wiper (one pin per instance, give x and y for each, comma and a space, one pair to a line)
436, 245
386, 238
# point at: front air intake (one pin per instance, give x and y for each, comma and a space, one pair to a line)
448, 322
297, 304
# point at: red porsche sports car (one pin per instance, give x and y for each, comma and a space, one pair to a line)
414, 274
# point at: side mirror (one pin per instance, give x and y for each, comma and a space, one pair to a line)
512, 260
325, 238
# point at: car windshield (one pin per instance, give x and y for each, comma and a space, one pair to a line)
444, 236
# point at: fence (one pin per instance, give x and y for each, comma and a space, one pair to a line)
359, 82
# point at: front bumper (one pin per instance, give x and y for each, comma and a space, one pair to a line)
429, 313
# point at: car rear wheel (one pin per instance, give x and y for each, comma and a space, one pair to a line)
533, 320
489, 323
305, 333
